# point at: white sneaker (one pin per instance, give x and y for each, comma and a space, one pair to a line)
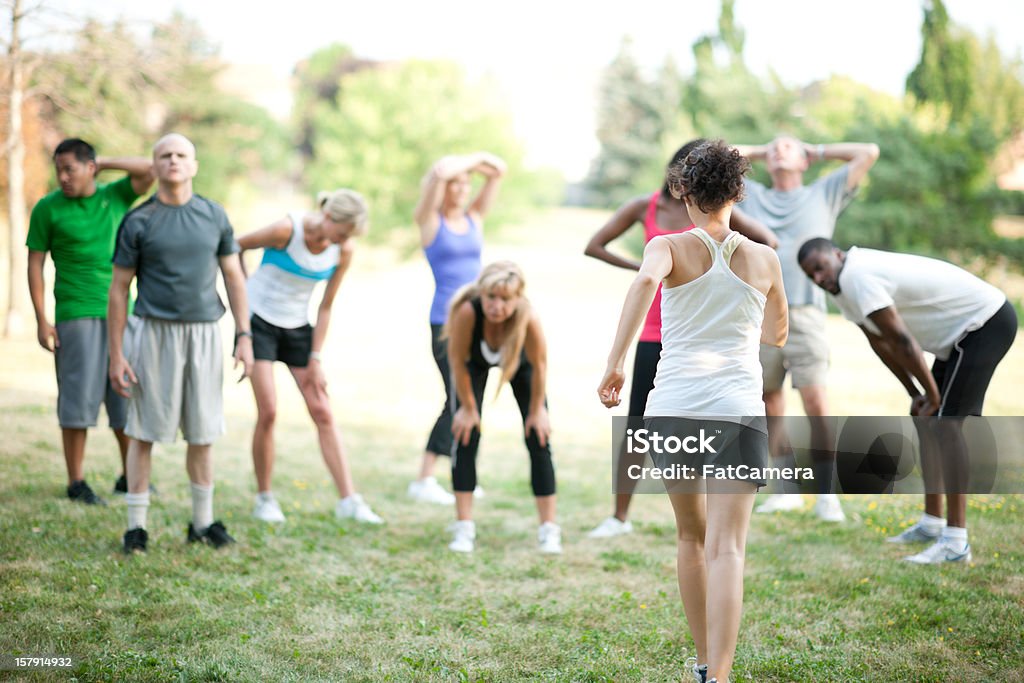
700, 673
611, 527
781, 502
354, 507
943, 550
828, 509
916, 534
267, 510
463, 536
427, 490
549, 535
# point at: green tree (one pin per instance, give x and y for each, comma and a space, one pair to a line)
388, 124
943, 75
633, 115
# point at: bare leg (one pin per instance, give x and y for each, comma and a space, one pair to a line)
138, 465
464, 505
691, 569
266, 413
122, 447
199, 464
956, 510
319, 405
728, 521
427, 465
622, 501
545, 508
74, 452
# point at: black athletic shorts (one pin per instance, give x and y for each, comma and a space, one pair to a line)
290, 346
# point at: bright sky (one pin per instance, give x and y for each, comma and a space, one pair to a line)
547, 56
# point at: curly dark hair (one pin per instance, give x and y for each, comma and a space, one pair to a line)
710, 176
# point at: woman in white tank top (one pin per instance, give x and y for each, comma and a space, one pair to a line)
722, 296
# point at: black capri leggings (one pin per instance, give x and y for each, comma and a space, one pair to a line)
440, 441
542, 469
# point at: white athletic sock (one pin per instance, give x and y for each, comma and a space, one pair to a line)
202, 507
955, 536
932, 524
138, 505
264, 496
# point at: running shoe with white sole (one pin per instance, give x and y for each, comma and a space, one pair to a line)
463, 536
427, 490
354, 507
943, 550
610, 527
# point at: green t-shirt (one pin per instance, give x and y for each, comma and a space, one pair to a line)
80, 233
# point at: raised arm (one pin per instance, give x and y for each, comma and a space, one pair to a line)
139, 169
493, 170
775, 328
629, 213
234, 284
315, 376
120, 372
460, 336
753, 152
899, 351
860, 157
749, 226
45, 332
536, 348
433, 185
656, 266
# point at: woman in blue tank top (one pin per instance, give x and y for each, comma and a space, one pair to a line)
451, 233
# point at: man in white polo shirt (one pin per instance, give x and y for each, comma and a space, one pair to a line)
907, 304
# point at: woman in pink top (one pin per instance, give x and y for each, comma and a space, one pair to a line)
659, 214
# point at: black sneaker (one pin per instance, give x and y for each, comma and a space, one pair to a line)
81, 493
215, 535
135, 541
121, 486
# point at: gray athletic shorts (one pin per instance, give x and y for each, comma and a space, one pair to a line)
180, 368
82, 381
805, 354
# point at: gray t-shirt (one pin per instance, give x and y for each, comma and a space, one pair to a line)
175, 252
795, 217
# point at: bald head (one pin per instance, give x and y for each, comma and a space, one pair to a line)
174, 160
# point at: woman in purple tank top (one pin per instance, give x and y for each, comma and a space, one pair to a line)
451, 233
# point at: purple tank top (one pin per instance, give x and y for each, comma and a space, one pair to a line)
455, 261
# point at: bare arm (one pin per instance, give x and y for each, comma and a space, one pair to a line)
775, 328
753, 152
493, 169
629, 213
861, 156
903, 356
433, 185
120, 372
274, 236
749, 226
536, 348
139, 169
234, 283
656, 266
315, 375
460, 336
45, 332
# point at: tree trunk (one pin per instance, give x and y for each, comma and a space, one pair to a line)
17, 289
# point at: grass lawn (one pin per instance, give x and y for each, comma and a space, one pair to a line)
318, 599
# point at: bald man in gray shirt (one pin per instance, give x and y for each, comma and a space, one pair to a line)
170, 366
796, 213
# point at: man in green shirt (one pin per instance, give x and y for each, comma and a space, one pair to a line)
78, 225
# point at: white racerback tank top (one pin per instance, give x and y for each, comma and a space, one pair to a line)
710, 336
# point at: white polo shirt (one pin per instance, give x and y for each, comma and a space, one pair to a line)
938, 301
